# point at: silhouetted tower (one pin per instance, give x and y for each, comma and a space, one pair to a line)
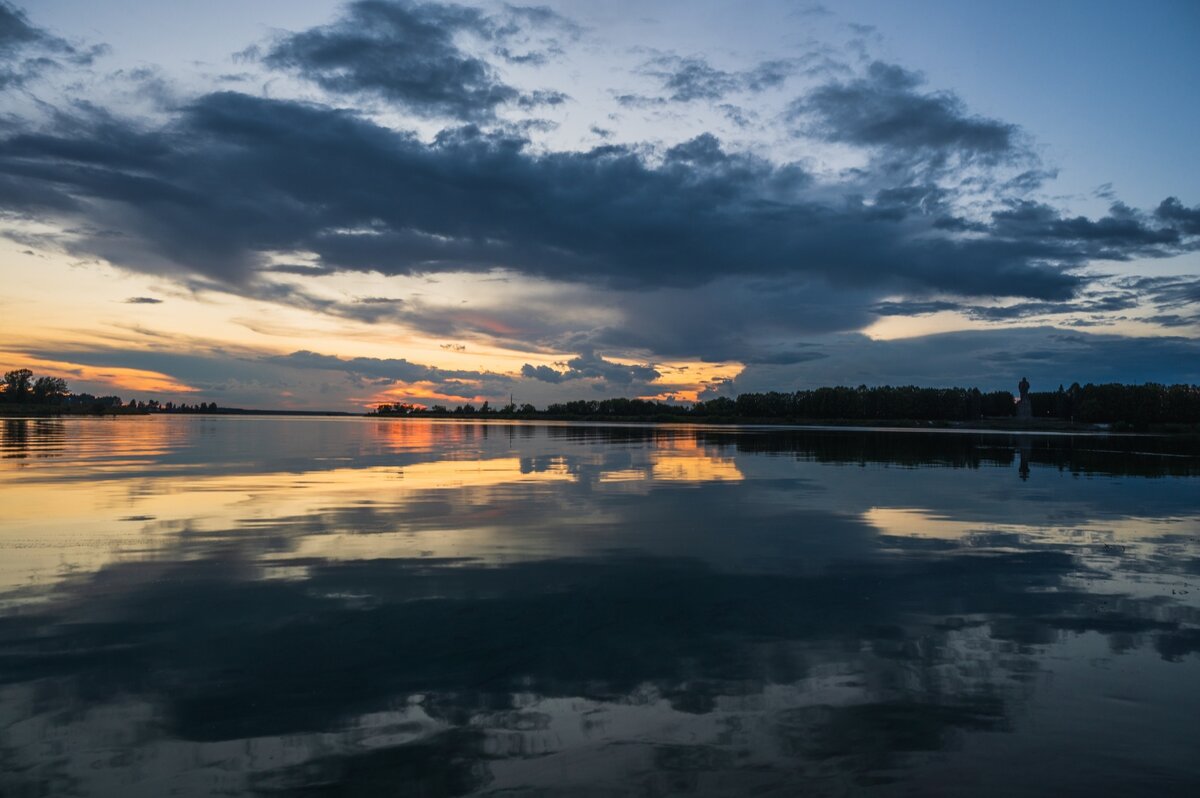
1024, 406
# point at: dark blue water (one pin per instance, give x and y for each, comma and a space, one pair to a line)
237, 606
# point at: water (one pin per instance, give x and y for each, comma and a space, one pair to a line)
241, 606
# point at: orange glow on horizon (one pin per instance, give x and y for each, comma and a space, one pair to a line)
117, 377
414, 394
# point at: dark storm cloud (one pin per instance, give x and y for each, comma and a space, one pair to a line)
789, 254
275, 175
27, 51
408, 54
887, 109
694, 78
589, 365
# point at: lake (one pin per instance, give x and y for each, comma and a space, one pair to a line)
362, 607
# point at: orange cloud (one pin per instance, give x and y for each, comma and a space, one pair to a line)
113, 376
420, 393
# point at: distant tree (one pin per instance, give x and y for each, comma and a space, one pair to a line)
17, 385
49, 390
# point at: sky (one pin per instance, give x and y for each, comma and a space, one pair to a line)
323, 205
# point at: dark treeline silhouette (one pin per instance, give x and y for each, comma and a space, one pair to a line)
21, 394
20, 389
1134, 405
1113, 403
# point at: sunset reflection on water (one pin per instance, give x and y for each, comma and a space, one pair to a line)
280, 606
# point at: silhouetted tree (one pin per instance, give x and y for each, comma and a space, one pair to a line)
49, 390
17, 385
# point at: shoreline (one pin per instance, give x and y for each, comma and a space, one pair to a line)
987, 425
992, 425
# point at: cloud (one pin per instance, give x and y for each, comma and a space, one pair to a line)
700, 251
543, 373
542, 97
298, 269
27, 51
1098, 302
886, 109
1120, 235
539, 32
277, 175
378, 300
686, 79
1168, 293
1172, 211
408, 53
392, 369
589, 365
638, 101
143, 300
689, 248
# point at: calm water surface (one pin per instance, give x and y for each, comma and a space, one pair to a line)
238, 606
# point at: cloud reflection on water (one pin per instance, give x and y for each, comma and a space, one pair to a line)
464, 608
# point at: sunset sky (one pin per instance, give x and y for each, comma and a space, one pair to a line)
310, 204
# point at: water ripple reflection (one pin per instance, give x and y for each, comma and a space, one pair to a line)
216, 606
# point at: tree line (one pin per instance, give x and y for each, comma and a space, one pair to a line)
1110, 403
1150, 403
1136, 405
20, 387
